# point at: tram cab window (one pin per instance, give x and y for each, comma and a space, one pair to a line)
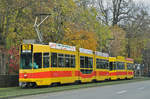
45, 60
26, 61
37, 60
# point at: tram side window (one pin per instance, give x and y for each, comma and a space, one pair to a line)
99, 64
61, 61
67, 60
82, 62
105, 64
90, 62
72, 60
86, 62
54, 59
123, 66
37, 60
45, 60
129, 66
115, 66
111, 66
120, 66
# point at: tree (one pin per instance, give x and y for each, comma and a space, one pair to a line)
137, 28
81, 39
118, 45
114, 11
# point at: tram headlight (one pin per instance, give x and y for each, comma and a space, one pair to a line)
25, 75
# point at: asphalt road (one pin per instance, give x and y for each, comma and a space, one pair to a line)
138, 90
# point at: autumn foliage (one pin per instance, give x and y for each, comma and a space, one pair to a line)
13, 63
118, 44
81, 39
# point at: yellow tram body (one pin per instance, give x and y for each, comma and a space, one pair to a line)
57, 63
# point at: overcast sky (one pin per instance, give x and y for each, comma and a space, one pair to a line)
147, 2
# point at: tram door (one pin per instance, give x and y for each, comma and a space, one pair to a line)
112, 70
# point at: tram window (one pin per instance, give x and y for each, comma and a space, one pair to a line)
85, 71
72, 60
82, 61
111, 66
97, 63
129, 66
61, 62
123, 66
120, 66
45, 60
90, 62
67, 60
26, 61
115, 66
54, 59
37, 60
101, 64
105, 64
86, 62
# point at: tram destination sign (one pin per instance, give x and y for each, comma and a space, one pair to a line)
26, 48
62, 47
87, 51
101, 54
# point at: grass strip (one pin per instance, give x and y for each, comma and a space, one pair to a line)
17, 91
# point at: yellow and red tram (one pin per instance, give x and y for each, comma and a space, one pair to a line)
129, 68
57, 63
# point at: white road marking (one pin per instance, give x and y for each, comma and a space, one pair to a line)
121, 92
141, 88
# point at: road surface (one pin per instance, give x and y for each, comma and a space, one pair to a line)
138, 90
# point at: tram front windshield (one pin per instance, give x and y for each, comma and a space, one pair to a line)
26, 61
